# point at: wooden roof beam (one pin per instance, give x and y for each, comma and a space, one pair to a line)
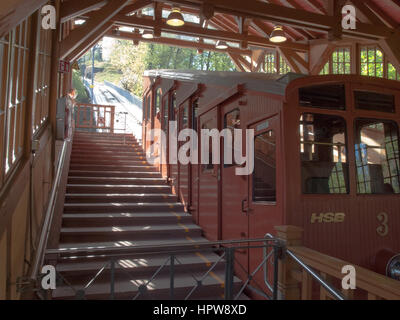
136, 6
192, 29
12, 13
90, 42
236, 62
75, 8
290, 17
80, 35
177, 43
378, 11
368, 13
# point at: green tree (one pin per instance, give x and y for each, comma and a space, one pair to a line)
130, 59
80, 88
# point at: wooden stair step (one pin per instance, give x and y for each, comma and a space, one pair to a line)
126, 233
122, 207
118, 197
134, 174
138, 219
111, 167
116, 180
108, 188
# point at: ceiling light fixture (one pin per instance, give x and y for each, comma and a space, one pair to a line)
278, 35
147, 34
222, 45
175, 18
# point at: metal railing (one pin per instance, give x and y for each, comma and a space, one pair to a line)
40, 252
224, 252
328, 287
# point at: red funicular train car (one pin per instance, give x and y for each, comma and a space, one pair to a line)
326, 157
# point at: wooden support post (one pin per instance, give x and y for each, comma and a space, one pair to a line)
288, 287
54, 83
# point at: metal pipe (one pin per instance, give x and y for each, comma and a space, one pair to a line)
172, 277
171, 246
49, 215
331, 290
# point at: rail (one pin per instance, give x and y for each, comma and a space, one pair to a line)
224, 251
331, 290
369, 285
40, 252
94, 118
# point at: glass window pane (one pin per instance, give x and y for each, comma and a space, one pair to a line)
377, 157
374, 101
195, 111
323, 154
264, 175
165, 115
158, 101
331, 97
232, 122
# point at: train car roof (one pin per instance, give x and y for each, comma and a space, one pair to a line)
270, 83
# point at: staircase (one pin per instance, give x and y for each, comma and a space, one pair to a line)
115, 199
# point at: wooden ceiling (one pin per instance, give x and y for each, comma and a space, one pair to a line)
313, 27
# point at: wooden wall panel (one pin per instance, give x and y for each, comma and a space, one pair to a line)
19, 240
3, 265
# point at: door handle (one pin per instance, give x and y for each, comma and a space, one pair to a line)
244, 210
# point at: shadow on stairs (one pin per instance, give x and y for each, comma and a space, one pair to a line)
114, 200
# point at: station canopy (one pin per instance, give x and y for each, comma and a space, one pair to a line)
312, 29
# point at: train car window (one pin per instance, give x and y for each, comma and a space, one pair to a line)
195, 111
144, 108
377, 157
231, 122
324, 167
158, 101
148, 106
173, 106
331, 97
208, 167
165, 115
264, 174
374, 101
185, 116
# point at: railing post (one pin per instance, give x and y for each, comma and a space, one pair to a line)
288, 287
172, 276
229, 271
112, 280
112, 119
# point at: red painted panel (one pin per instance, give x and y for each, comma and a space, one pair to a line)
209, 187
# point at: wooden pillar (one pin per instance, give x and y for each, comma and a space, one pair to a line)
288, 286
54, 81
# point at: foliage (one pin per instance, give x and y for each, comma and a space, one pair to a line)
80, 88
110, 73
130, 60
134, 60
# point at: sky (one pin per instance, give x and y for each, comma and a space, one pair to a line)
107, 45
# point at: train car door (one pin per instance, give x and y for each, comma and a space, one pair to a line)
157, 123
209, 184
194, 168
265, 201
235, 220
173, 167
164, 127
184, 175
148, 123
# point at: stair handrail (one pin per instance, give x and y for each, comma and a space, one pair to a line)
335, 293
156, 248
376, 286
40, 252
